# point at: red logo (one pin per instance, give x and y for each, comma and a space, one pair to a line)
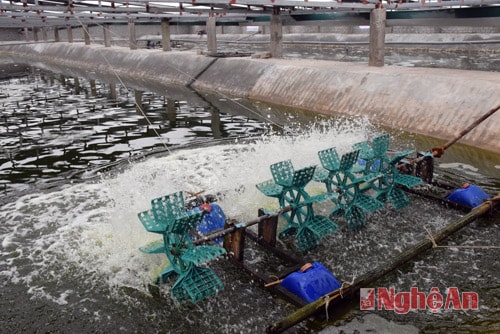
367, 299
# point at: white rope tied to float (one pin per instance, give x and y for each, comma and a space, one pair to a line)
336, 293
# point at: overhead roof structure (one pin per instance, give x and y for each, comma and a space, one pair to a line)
50, 13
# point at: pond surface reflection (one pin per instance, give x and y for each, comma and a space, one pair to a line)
54, 126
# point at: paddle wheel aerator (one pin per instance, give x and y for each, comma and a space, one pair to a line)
168, 216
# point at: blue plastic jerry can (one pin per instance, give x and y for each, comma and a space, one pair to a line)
469, 195
311, 282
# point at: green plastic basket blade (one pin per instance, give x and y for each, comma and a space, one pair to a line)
367, 203
302, 176
185, 223
329, 159
270, 188
150, 224
398, 198
155, 247
203, 254
355, 217
315, 229
365, 151
196, 284
282, 172
380, 145
321, 175
348, 160
408, 181
306, 239
167, 208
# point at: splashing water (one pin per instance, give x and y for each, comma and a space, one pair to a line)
77, 247
90, 231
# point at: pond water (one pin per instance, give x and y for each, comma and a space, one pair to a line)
81, 156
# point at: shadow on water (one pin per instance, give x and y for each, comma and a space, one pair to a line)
79, 160
57, 126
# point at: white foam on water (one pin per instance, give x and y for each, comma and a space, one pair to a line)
91, 230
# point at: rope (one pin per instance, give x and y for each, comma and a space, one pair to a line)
85, 29
435, 245
194, 79
337, 293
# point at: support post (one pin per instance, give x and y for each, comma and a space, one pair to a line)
131, 33
276, 30
112, 91
377, 37
77, 85
171, 112
86, 34
69, 32
268, 228
211, 35
56, 34
165, 34
234, 242
215, 124
107, 35
26, 34
93, 89
138, 101
35, 34
44, 34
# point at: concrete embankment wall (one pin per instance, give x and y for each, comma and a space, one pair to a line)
435, 102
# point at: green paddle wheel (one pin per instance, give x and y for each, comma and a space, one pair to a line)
168, 217
387, 186
288, 187
338, 177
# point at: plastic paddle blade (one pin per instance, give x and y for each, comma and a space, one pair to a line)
167, 208
203, 254
302, 176
166, 274
367, 203
306, 239
185, 223
269, 188
150, 223
380, 145
155, 247
321, 175
196, 284
329, 159
315, 229
282, 172
355, 217
366, 151
408, 181
398, 198
348, 160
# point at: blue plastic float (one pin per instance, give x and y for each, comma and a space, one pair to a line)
311, 282
469, 195
213, 219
